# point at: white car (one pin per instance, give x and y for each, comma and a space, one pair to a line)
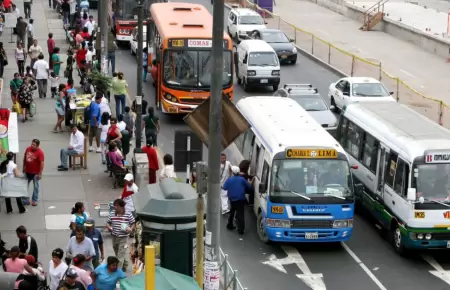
357, 89
242, 21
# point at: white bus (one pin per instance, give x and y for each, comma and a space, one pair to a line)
303, 185
404, 166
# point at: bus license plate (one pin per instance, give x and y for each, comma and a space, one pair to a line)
264, 81
448, 244
311, 236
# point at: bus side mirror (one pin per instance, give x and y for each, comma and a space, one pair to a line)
236, 62
262, 188
411, 195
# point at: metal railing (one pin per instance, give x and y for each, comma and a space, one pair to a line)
228, 275
349, 64
374, 8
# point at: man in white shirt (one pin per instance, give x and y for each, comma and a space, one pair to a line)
41, 69
89, 56
225, 173
73, 9
34, 51
30, 35
90, 25
76, 146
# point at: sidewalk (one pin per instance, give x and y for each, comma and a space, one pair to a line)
48, 222
422, 71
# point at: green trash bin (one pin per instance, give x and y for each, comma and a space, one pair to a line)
166, 214
125, 142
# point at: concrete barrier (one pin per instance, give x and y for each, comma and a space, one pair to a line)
428, 42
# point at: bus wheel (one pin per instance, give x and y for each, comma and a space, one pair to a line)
397, 240
245, 85
260, 228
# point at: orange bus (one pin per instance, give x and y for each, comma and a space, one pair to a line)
181, 42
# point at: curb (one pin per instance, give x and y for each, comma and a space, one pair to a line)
313, 57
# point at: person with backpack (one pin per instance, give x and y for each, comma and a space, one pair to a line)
27, 244
79, 216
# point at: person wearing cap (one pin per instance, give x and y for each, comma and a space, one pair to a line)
71, 281
236, 187
96, 236
129, 189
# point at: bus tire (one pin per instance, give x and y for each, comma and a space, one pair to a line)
245, 85
396, 239
260, 229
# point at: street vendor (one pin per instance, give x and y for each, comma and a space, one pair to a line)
129, 189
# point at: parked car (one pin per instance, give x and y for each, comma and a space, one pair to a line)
283, 46
242, 21
309, 98
357, 89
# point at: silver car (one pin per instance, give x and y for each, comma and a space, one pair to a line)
310, 99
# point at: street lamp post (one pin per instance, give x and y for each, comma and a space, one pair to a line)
140, 68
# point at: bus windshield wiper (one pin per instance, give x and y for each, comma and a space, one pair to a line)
438, 202
335, 195
301, 195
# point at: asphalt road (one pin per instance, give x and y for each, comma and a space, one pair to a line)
365, 262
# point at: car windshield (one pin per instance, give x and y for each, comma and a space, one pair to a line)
128, 10
310, 178
251, 20
369, 90
192, 69
310, 103
262, 59
274, 37
432, 182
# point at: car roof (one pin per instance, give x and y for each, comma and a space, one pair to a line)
270, 30
244, 11
362, 80
256, 45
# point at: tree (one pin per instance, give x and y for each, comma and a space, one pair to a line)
101, 82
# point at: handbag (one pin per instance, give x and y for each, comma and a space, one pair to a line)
33, 108
17, 108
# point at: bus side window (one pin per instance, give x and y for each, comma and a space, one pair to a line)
260, 162
391, 168
247, 149
254, 160
353, 142
342, 131
370, 152
401, 178
265, 175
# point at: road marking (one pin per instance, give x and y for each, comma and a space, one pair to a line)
323, 32
313, 281
364, 267
408, 73
438, 270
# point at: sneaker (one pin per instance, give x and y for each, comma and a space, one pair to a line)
24, 211
98, 150
63, 169
91, 149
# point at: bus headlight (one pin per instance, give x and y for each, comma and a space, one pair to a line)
343, 223
171, 98
251, 73
420, 236
428, 236
275, 223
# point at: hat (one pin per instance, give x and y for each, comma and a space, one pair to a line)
235, 169
30, 259
90, 222
128, 177
72, 273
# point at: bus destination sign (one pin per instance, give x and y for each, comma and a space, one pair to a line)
437, 157
193, 43
311, 153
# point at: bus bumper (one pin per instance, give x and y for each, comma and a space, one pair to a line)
423, 244
123, 37
168, 107
308, 235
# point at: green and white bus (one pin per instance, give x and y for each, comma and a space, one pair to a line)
404, 166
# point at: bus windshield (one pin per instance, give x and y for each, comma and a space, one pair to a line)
308, 179
192, 69
432, 182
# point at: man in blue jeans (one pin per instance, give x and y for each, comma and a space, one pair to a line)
76, 146
33, 165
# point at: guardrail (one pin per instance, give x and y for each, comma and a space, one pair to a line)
348, 64
229, 276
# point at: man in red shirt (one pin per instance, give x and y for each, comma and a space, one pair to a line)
152, 156
50, 47
33, 165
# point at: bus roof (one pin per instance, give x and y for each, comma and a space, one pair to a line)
399, 127
281, 122
183, 20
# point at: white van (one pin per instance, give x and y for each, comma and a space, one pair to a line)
257, 65
242, 21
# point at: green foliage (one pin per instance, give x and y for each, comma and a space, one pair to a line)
102, 82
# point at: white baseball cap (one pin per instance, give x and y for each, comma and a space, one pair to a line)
235, 169
128, 177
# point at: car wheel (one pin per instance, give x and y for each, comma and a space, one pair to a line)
293, 62
260, 229
229, 32
245, 85
131, 50
333, 103
397, 240
275, 88
236, 37
239, 81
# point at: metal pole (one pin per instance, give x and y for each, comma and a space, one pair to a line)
104, 29
202, 188
188, 154
138, 123
215, 136
140, 68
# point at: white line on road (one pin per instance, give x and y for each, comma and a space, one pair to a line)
364, 267
408, 73
439, 271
